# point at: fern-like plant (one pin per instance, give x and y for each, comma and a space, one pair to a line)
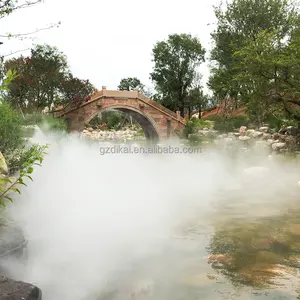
7, 185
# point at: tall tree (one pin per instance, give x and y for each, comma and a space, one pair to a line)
39, 78
175, 68
44, 79
131, 83
238, 25
75, 90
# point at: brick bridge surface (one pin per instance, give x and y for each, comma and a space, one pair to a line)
157, 121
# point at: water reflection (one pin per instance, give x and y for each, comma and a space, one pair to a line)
261, 250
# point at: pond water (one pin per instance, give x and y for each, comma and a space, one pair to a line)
176, 227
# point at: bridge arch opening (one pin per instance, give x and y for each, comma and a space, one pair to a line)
147, 124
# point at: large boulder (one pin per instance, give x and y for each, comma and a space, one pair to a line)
18, 290
3, 165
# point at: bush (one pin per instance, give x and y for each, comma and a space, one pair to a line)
16, 159
113, 119
193, 125
223, 124
45, 122
200, 123
10, 129
277, 123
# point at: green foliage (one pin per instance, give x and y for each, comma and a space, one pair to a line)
227, 124
75, 90
113, 119
255, 59
16, 159
8, 6
175, 63
44, 79
45, 122
10, 129
131, 83
193, 125
9, 186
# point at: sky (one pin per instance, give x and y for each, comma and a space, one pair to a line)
108, 40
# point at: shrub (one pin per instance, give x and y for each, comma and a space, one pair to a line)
16, 159
113, 119
10, 129
9, 186
45, 122
228, 124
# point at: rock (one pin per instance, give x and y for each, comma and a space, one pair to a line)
278, 146
3, 165
242, 130
264, 129
90, 129
266, 136
290, 141
18, 290
256, 134
237, 134
244, 138
270, 142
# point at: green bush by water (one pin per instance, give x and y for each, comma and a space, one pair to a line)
228, 124
195, 124
10, 129
45, 122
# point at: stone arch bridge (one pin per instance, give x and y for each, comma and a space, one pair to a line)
157, 121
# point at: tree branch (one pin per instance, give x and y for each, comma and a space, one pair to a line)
15, 52
11, 9
29, 33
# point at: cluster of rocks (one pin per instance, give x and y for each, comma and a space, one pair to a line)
282, 141
112, 135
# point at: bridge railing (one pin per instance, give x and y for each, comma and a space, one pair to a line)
161, 107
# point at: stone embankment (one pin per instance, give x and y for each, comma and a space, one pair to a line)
112, 135
287, 139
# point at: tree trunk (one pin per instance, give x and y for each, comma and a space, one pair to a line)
189, 108
200, 111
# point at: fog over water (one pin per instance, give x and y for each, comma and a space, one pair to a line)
99, 223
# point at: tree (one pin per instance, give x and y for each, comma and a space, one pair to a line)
39, 80
175, 64
9, 6
198, 100
44, 79
75, 90
131, 83
239, 28
272, 76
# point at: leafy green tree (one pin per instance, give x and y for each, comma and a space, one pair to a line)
197, 100
239, 25
39, 80
175, 68
75, 90
131, 83
44, 79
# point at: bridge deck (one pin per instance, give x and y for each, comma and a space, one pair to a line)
123, 95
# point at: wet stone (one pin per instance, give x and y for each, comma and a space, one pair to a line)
18, 290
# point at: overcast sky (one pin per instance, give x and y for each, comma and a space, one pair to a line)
107, 40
